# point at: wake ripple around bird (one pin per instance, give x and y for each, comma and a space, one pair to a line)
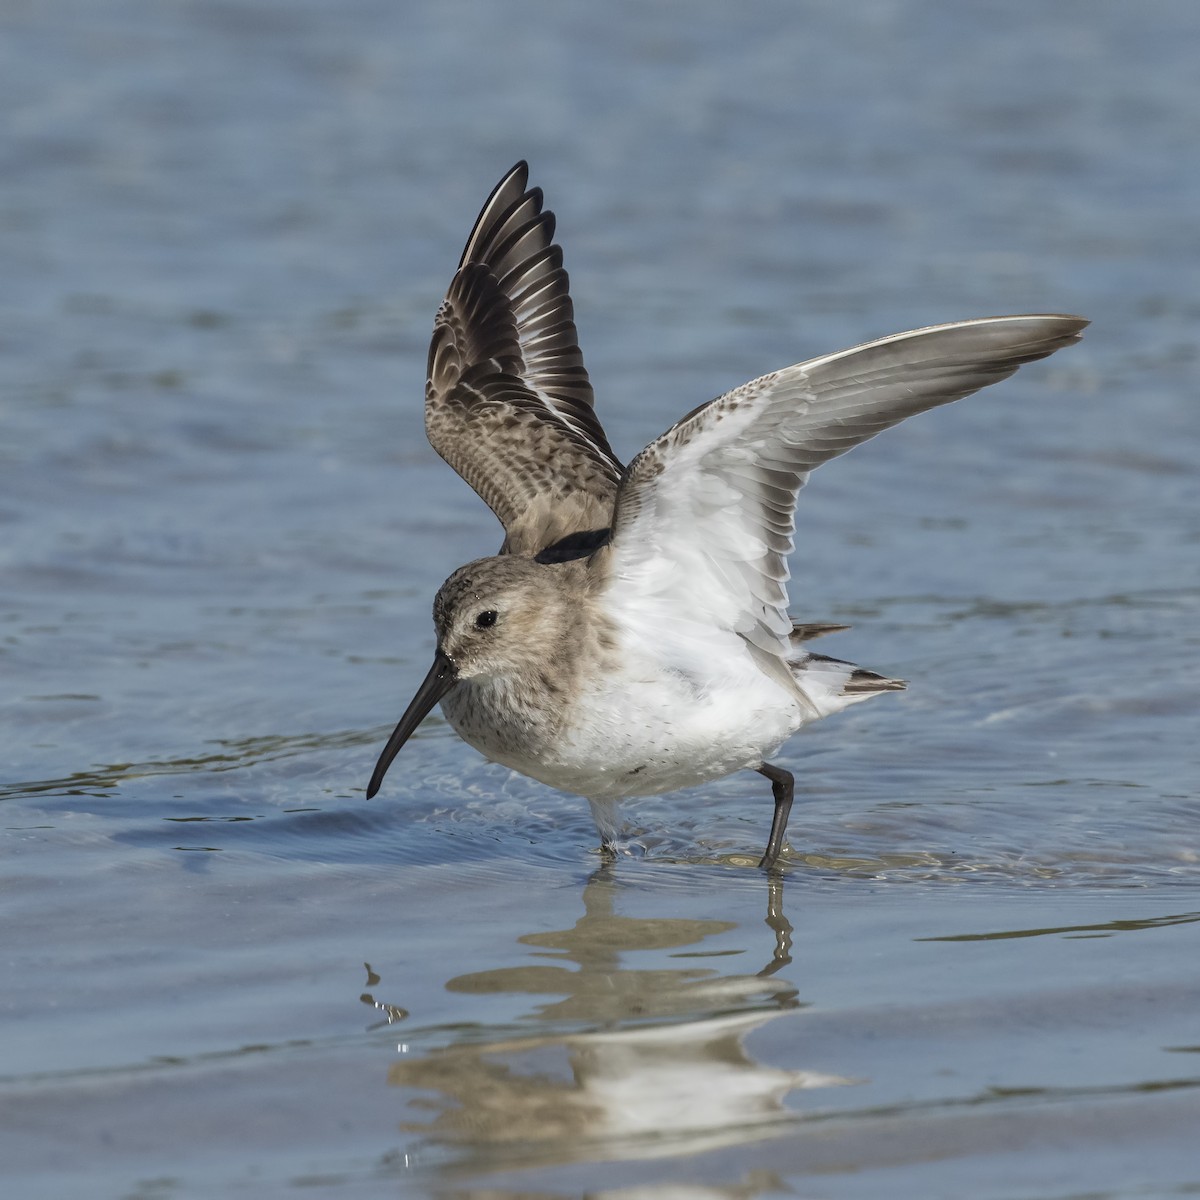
299, 797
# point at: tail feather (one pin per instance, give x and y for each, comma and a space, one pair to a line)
862, 681
831, 684
805, 632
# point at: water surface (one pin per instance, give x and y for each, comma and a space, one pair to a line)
224, 230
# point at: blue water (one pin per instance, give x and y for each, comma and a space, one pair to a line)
224, 229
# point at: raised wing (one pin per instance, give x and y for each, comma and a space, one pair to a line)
705, 515
507, 399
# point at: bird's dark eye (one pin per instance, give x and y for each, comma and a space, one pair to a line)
486, 619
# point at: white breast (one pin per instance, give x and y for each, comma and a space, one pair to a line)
677, 712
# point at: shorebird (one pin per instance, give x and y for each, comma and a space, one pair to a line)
632, 635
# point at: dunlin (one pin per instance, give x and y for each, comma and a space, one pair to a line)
632, 635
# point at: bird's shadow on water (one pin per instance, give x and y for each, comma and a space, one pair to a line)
625, 1038
628, 1026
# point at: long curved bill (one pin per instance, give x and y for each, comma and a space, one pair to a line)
441, 678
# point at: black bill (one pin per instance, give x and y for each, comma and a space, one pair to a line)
441, 678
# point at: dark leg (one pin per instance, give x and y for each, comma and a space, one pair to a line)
782, 786
604, 813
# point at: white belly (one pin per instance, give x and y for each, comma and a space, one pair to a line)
668, 735
650, 727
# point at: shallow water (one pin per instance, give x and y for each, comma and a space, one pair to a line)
224, 230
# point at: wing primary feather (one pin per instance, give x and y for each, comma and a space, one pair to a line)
715, 495
506, 373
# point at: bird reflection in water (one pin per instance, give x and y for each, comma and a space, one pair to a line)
641, 1062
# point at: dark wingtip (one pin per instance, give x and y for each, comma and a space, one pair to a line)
1075, 326
1067, 329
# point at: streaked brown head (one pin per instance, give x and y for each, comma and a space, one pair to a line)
503, 616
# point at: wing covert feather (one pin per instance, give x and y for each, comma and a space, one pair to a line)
508, 403
705, 515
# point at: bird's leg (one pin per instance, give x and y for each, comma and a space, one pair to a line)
783, 786
604, 813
